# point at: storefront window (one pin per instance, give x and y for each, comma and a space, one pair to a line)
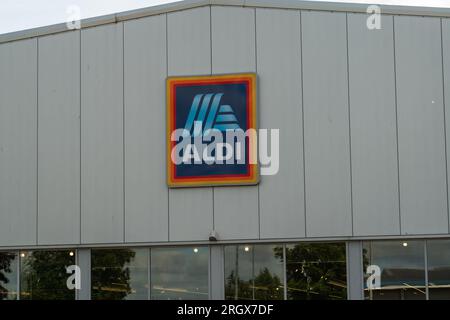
8, 276
179, 273
119, 274
316, 271
254, 272
401, 266
438, 252
239, 272
43, 275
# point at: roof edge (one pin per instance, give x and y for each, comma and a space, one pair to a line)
189, 4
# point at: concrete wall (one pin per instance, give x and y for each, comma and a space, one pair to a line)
361, 116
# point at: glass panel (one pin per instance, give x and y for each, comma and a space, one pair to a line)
239, 272
268, 272
438, 252
119, 274
8, 276
402, 269
43, 275
179, 273
316, 271
254, 272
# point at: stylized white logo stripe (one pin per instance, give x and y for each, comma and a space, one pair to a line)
217, 117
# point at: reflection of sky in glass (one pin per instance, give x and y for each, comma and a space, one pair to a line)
179, 273
262, 255
392, 254
265, 258
245, 267
438, 252
402, 267
138, 268
250, 264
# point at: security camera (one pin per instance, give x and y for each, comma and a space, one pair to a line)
213, 236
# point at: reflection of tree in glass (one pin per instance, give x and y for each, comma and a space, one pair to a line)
44, 276
110, 275
316, 271
5, 267
366, 263
268, 286
264, 283
366, 259
245, 288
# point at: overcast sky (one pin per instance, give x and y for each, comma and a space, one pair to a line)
25, 14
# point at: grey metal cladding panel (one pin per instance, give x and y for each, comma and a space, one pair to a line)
373, 127
233, 51
421, 137
233, 40
446, 61
59, 139
236, 212
278, 50
146, 194
190, 210
18, 151
102, 210
327, 154
189, 42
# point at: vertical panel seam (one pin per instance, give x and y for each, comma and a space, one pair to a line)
37, 142
167, 74
303, 121
210, 39
210, 70
349, 124
123, 128
209, 273
361, 265
348, 270
80, 227
149, 274
425, 253
396, 125
445, 123
77, 262
256, 70
284, 271
253, 271
17, 269
18, 275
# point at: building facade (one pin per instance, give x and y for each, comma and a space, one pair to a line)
358, 209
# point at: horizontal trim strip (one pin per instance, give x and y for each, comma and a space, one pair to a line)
224, 242
189, 4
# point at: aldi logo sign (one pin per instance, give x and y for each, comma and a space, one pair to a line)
211, 130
